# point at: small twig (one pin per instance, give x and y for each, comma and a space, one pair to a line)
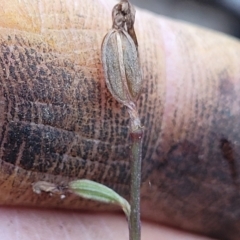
123, 77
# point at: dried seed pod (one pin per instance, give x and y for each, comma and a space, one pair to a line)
121, 66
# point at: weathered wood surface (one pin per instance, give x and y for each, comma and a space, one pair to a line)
58, 121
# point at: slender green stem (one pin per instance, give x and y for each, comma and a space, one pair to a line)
136, 161
120, 46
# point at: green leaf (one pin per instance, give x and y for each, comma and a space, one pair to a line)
95, 191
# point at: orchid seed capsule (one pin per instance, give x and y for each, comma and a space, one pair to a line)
121, 64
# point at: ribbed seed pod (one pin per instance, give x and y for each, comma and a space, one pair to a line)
121, 66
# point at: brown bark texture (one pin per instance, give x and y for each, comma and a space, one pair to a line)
59, 122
